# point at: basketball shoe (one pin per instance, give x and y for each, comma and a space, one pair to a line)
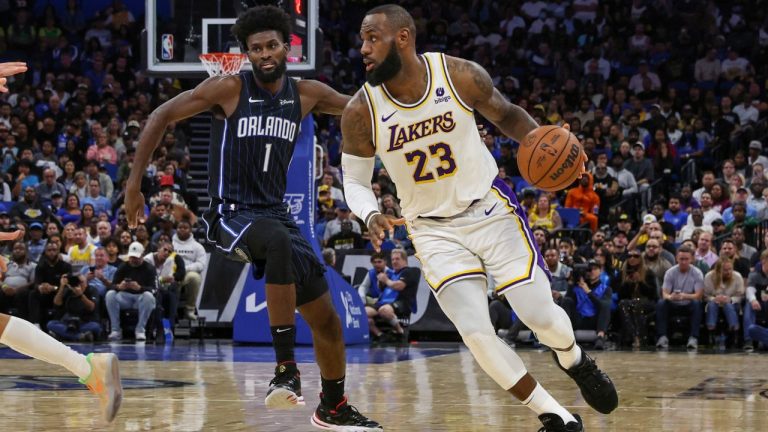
343, 418
553, 423
595, 385
104, 381
285, 388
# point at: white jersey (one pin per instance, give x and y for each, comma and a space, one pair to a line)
432, 149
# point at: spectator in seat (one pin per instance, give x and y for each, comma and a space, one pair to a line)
195, 260
103, 233
99, 276
704, 249
675, 214
544, 215
106, 187
81, 253
18, 280
100, 203
681, 293
370, 288
170, 274
346, 238
642, 170
723, 291
638, 294
112, 247
30, 209
740, 264
133, 285
48, 277
77, 303
756, 308
560, 274
694, 221
336, 193
584, 198
49, 185
333, 227
588, 301
399, 292
101, 151
36, 242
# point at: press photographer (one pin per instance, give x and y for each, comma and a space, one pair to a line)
76, 304
588, 300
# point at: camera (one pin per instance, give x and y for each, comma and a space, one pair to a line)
73, 280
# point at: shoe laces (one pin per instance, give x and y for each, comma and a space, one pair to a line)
348, 414
589, 372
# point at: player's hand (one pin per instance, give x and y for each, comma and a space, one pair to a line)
13, 236
10, 69
380, 225
134, 208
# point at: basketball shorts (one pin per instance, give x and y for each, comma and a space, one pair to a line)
226, 230
491, 236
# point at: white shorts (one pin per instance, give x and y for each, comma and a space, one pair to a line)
490, 236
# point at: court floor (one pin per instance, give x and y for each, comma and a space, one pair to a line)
217, 386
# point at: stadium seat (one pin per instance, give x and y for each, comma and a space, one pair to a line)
570, 216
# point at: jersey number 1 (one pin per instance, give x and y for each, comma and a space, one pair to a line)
419, 158
266, 157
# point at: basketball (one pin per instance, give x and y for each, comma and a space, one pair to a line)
550, 158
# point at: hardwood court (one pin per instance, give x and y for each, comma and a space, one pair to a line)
218, 387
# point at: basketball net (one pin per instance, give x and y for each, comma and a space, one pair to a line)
220, 64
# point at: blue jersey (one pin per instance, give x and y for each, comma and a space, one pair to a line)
251, 149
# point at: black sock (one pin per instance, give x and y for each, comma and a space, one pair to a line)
284, 339
333, 391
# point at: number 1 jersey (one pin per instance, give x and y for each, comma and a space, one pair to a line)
250, 150
431, 149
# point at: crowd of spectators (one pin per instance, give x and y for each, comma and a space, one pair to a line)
68, 133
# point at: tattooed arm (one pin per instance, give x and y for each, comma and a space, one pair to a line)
475, 88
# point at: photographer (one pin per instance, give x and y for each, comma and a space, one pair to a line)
588, 302
76, 303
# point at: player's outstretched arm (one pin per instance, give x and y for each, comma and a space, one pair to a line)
9, 69
320, 98
208, 94
357, 160
475, 87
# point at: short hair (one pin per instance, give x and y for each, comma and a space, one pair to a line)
259, 19
396, 15
685, 249
403, 254
378, 255
764, 255
329, 255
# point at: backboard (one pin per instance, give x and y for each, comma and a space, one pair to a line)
176, 32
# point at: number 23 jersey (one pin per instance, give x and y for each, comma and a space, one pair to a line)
431, 149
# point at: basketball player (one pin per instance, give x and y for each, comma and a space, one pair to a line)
99, 372
258, 115
416, 112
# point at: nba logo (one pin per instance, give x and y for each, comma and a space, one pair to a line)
439, 92
167, 47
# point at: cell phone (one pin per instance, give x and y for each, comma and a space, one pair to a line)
92, 268
73, 280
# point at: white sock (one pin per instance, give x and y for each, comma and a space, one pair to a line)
570, 358
541, 402
24, 337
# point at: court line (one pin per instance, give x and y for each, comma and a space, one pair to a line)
88, 398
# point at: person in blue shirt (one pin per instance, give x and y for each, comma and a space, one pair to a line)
99, 202
674, 214
588, 301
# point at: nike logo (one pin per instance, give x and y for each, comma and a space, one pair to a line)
385, 118
487, 212
251, 100
282, 330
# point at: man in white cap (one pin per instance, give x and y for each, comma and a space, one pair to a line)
132, 288
756, 154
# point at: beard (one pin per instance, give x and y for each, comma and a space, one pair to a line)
272, 76
387, 69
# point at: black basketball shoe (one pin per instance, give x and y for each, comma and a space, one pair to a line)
595, 385
553, 423
343, 418
285, 388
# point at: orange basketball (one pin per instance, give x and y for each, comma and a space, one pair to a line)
550, 158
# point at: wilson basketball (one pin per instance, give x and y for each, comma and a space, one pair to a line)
550, 158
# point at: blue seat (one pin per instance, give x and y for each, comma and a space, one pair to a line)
111, 170
570, 216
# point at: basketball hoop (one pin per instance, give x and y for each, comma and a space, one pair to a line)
220, 64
